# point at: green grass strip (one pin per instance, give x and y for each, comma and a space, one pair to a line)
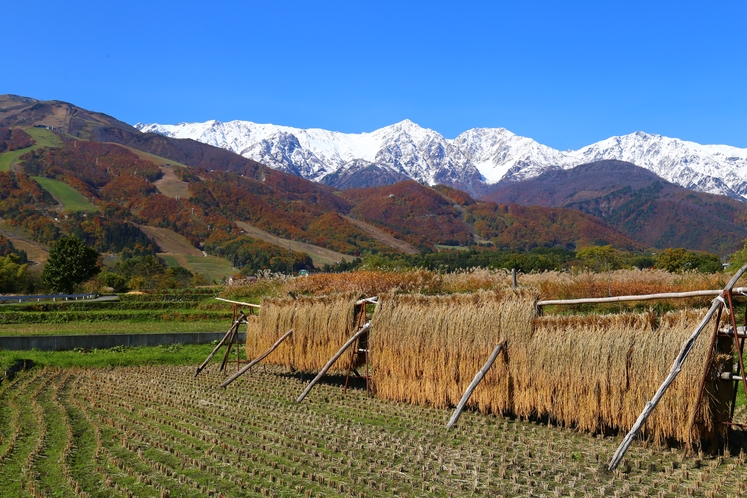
174, 354
71, 199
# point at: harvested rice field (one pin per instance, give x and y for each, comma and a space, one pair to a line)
159, 431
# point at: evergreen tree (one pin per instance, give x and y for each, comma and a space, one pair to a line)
70, 263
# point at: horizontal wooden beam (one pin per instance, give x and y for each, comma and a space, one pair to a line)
642, 297
238, 302
371, 300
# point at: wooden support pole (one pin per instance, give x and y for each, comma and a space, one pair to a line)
513, 278
257, 359
473, 385
229, 343
228, 335
643, 297
676, 368
331, 362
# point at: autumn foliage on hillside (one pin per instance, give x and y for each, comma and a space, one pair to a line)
24, 203
121, 184
420, 214
459, 197
252, 255
127, 187
92, 163
14, 139
182, 216
515, 227
286, 206
334, 232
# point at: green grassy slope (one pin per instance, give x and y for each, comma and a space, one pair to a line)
43, 137
71, 199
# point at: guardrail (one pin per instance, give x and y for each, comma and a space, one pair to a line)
53, 297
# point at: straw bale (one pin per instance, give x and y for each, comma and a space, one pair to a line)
321, 325
275, 319
427, 349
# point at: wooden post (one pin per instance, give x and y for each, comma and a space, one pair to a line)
513, 278
257, 360
676, 368
473, 385
331, 362
235, 325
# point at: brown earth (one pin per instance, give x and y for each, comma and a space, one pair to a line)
170, 241
319, 255
170, 186
382, 236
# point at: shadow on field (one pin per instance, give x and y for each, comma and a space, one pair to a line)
16, 367
335, 379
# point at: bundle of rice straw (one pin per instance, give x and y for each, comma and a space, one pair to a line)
427, 349
320, 326
597, 372
275, 319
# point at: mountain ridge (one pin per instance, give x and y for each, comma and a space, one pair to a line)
637, 202
475, 161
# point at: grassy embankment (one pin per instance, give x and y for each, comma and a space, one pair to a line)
175, 354
195, 311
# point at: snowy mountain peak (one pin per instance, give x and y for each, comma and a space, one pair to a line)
473, 161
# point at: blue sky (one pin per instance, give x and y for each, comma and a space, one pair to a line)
564, 73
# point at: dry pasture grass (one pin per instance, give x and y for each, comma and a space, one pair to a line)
169, 241
574, 285
171, 186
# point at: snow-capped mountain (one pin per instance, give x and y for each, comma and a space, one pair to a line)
473, 161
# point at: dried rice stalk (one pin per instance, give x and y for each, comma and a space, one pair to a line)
275, 319
320, 326
597, 372
428, 349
